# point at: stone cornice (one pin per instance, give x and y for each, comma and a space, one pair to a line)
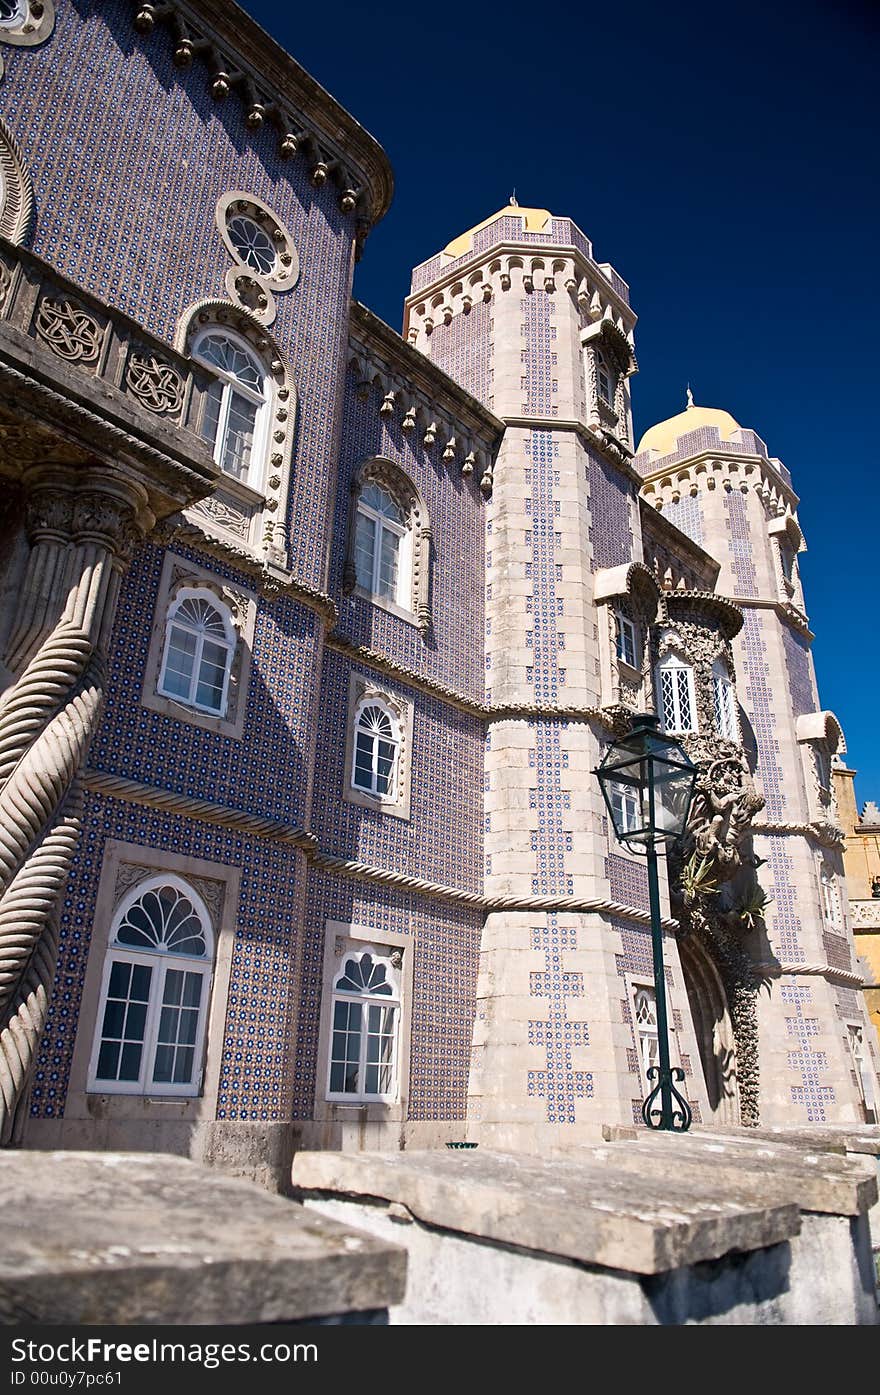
790, 614
272, 88
373, 334
269, 580
462, 267
614, 451
718, 610
705, 468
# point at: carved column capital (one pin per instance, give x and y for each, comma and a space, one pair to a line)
66, 504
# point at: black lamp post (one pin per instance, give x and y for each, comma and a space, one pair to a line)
648, 783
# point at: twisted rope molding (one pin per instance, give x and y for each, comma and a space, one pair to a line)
826, 835
493, 712
827, 971
133, 791
169, 801
47, 721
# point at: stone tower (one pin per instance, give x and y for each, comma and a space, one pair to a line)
717, 482
589, 587
521, 313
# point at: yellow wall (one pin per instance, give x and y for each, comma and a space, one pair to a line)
862, 862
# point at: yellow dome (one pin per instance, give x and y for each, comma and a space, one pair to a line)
663, 436
534, 220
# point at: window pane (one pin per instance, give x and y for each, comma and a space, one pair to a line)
130, 1063
346, 1049
179, 662
178, 1027
211, 417
364, 550
388, 564
108, 1060
236, 454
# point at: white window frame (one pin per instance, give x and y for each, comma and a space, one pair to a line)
256, 472
725, 704
626, 631
366, 1000
672, 664
159, 963
402, 532
374, 792
200, 593
646, 1034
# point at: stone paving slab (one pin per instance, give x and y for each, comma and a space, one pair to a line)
151, 1238
585, 1211
830, 1138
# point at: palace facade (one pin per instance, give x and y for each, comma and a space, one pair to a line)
314, 635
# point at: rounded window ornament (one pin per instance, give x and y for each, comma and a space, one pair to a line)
252, 243
12, 13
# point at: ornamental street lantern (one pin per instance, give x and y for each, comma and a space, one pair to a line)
648, 782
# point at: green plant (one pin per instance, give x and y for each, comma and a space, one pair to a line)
751, 909
697, 878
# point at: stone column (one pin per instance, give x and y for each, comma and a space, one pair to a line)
83, 525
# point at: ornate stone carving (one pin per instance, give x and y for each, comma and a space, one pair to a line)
155, 384
226, 514
128, 874
29, 23
70, 331
48, 717
725, 803
212, 893
16, 190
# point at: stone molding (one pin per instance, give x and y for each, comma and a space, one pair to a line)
494, 712
390, 476
772, 969
662, 485
168, 801
207, 810
403, 383
272, 89
268, 579
521, 267
179, 573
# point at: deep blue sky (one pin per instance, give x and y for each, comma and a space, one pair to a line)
724, 158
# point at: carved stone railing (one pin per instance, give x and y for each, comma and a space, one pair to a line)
98, 441
112, 386
865, 914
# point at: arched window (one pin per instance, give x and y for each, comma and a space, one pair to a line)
199, 649
678, 708
154, 994
724, 696
382, 545
376, 749
236, 408
363, 1042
